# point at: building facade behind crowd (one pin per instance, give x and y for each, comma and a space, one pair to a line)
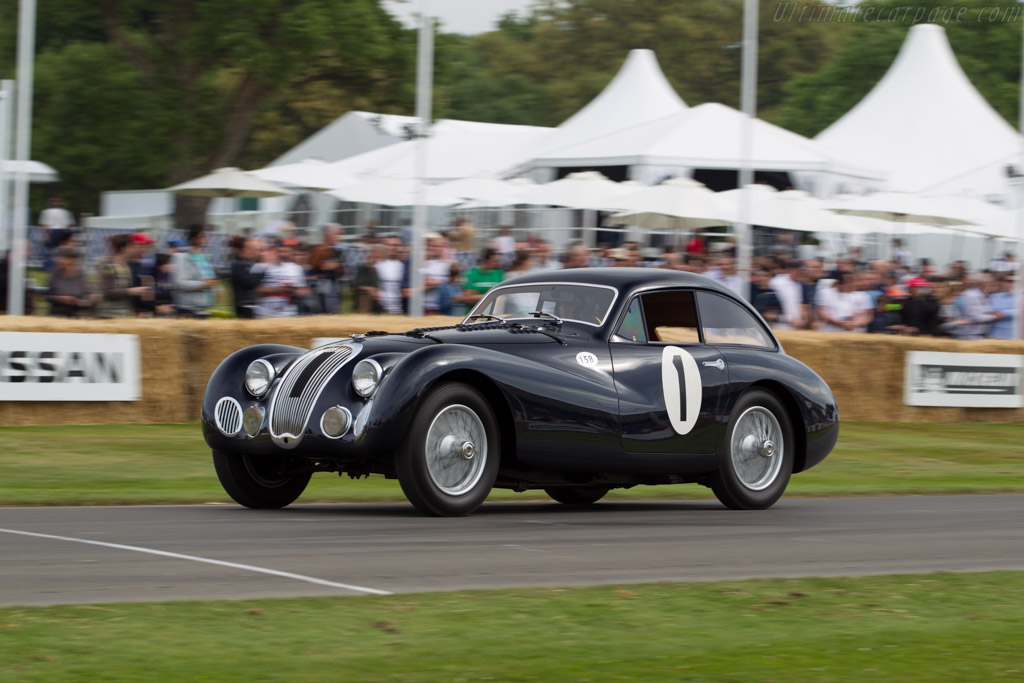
281, 276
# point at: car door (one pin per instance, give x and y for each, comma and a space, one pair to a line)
670, 383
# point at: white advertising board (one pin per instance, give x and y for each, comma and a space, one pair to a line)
43, 366
966, 380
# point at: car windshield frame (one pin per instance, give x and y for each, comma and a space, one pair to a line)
495, 291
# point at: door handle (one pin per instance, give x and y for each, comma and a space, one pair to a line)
719, 363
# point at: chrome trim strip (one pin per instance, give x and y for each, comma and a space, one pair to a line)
288, 414
604, 318
227, 415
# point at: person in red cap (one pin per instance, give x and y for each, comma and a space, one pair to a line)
920, 312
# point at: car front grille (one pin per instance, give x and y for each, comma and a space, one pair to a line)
300, 387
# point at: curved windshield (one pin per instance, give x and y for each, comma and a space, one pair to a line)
589, 304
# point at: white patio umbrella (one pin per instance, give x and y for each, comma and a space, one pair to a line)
790, 209
308, 174
901, 208
677, 203
389, 191
484, 191
229, 182
582, 190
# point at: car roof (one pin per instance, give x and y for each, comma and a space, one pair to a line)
626, 280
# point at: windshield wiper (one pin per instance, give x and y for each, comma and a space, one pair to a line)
554, 335
545, 314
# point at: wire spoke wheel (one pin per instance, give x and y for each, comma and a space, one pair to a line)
757, 448
456, 450
758, 459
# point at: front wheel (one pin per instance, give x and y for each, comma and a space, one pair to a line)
259, 482
759, 454
450, 458
577, 495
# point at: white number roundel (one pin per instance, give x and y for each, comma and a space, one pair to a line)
680, 382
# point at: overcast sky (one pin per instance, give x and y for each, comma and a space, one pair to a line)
459, 16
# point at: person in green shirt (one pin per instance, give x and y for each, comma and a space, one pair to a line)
482, 278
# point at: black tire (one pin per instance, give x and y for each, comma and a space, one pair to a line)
259, 482
577, 495
756, 467
456, 427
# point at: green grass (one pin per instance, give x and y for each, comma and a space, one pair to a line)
934, 627
146, 464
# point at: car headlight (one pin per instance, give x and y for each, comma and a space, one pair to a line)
335, 421
258, 377
366, 376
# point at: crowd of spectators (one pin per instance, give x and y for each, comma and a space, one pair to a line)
280, 276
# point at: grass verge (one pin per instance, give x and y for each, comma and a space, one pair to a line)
146, 464
934, 627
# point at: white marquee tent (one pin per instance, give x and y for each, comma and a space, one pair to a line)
927, 127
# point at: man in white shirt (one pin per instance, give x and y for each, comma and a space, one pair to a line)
842, 307
436, 271
284, 282
390, 275
790, 292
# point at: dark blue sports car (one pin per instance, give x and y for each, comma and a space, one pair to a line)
575, 382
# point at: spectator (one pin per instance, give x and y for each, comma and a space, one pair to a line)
521, 265
327, 270
244, 278
901, 256
1002, 302
141, 266
505, 245
482, 278
437, 272
194, 280
886, 317
116, 281
974, 312
390, 276
463, 235
68, 294
790, 292
1006, 264
55, 220
543, 261
366, 286
843, 307
763, 297
283, 283
920, 312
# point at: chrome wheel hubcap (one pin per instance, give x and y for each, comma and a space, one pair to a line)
756, 448
456, 450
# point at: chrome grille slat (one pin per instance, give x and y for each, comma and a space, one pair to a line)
293, 400
228, 416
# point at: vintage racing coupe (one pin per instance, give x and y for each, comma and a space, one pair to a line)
575, 382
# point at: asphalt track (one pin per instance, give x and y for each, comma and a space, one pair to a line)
113, 554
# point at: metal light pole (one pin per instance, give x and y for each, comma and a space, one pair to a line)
23, 143
748, 103
6, 119
424, 87
1018, 287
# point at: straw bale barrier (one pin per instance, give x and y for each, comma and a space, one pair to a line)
178, 356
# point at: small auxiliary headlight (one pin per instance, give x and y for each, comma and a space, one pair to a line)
258, 377
335, 421
366, 376
252, 420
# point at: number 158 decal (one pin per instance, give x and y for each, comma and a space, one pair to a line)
680, 382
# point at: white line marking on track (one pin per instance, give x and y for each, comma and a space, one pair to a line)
205, 560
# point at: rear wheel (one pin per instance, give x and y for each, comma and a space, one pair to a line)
259, 482
577, 495
450, 459
759, 454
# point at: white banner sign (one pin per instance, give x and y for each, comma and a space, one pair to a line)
967, 380
40, 366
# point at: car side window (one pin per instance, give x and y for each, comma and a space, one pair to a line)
671, 317
632, 327
726, 322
